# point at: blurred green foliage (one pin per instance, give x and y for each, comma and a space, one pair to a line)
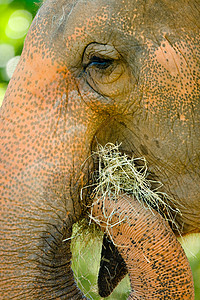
15, 19
191, 245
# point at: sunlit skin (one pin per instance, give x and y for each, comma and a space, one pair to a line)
107, 71
156, 263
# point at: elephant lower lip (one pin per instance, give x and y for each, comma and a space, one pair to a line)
148, 247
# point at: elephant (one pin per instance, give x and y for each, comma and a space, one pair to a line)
98, 71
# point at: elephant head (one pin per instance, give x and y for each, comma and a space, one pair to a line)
112, 71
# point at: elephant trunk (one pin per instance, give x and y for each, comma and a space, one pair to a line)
47, 130
156, 263
43, 167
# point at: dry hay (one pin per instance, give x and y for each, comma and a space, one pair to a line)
119, 174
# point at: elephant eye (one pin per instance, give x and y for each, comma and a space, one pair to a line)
103, 69
99, 57
99, 62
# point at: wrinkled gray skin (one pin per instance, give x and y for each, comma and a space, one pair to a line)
119, 71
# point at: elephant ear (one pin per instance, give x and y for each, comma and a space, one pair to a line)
112, 268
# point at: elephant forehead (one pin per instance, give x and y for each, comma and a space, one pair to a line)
109, 22
71, 25
75, 24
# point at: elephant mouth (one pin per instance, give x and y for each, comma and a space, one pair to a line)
112, 268
117, 173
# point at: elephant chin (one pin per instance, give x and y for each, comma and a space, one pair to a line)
138, 241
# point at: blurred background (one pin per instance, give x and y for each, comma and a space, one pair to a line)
15, 19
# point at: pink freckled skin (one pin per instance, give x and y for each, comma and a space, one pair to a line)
156, 263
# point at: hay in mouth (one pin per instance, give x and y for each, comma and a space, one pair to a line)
118, 174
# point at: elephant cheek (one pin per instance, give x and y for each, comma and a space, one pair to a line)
157, 265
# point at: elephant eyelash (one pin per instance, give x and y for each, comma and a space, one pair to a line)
99, 62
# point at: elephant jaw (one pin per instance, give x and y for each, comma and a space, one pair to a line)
156, 263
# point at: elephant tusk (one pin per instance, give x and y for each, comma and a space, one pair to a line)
157, 265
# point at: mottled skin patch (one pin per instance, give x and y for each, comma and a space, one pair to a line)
156, 263
119, 71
